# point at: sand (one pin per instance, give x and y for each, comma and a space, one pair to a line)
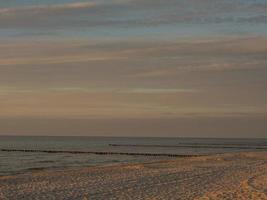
225, 176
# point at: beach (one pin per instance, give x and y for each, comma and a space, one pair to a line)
221, 176
133, 100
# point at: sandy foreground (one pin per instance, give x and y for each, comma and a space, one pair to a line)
225, 176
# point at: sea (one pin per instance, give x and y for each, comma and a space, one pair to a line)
17, 162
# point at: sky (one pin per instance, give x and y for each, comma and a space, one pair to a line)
159, 68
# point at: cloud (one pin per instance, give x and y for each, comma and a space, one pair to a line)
131, 13
5, 91
159, 91
139, 58
81, 102
44, 9
156, 91
55, 60
49, 16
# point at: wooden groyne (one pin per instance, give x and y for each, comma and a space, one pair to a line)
192, 146
98, 152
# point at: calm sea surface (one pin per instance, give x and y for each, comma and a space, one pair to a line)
21, 162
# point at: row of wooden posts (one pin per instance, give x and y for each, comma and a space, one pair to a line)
97, 152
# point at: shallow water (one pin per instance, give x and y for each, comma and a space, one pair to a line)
18, 162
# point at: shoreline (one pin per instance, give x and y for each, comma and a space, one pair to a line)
100, 153
167, 159
32, 171
240, 175
98, 166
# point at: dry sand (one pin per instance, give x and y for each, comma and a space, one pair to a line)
225, 176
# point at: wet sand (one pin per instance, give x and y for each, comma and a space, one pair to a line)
225, 176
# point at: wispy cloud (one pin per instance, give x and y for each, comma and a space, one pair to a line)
156, 91
56, 60
43, 9
132, 13
133, 64
211, 54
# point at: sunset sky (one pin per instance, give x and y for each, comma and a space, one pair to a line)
195, 68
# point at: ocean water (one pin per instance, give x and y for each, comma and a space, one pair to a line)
23, 162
